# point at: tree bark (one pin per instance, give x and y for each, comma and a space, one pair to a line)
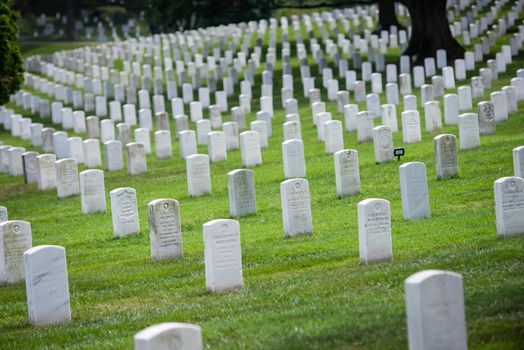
387, 16
430, 31
70, 13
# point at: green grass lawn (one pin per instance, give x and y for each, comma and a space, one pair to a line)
307, 292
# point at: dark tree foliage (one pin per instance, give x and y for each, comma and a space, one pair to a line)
430, 31
11, 69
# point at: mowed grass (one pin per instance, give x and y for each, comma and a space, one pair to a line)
307, 292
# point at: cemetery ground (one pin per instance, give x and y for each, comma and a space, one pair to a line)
306, 292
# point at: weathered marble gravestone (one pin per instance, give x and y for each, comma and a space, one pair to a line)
47, 287
435, 311
364, 126
411, 127
198, 175
164, 149
242, 196
230, 130
518, 161
250, 148
66, 172
16, 167
124, 212
123, 133
433, 116
216, 146
347, 175
187, 142
136, 158
486, 118
500, 104
374, 231
47, 139
446, 156
164, 229
292, 130
92, 158
383, 144
293, 158
260, 127
172, 335
92, 191
222, 255
469, 131
203, 128
15, 239
509, 206
333, 137
46, 176
114, 160
30, 165
414, 191
389, 116
296, 207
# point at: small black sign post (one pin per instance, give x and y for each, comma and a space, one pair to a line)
398, 152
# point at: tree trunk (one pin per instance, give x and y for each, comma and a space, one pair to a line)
430, 31
387, 16
70, 12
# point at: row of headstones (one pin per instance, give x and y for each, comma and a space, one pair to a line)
48, 300
286, 21
450, 108
509, 58
296, 206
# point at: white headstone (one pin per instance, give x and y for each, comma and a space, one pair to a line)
164, 149
172, 335
296, 207
46, 176
124, 212
92, 191
411, 127
364, 126
486, 115
374, 231
250, 148
446, 157
136, 158
414, 191
293, 158
222, 255
47, 287
347, 173
203, 128
113, 155
15, 239
198, 175
187, 143
509, 206
216, 146
435, 311
433, 116
383, 144
518, 161
469, 131
242, 196
66, 178
92, 158
499, 100
164, 229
